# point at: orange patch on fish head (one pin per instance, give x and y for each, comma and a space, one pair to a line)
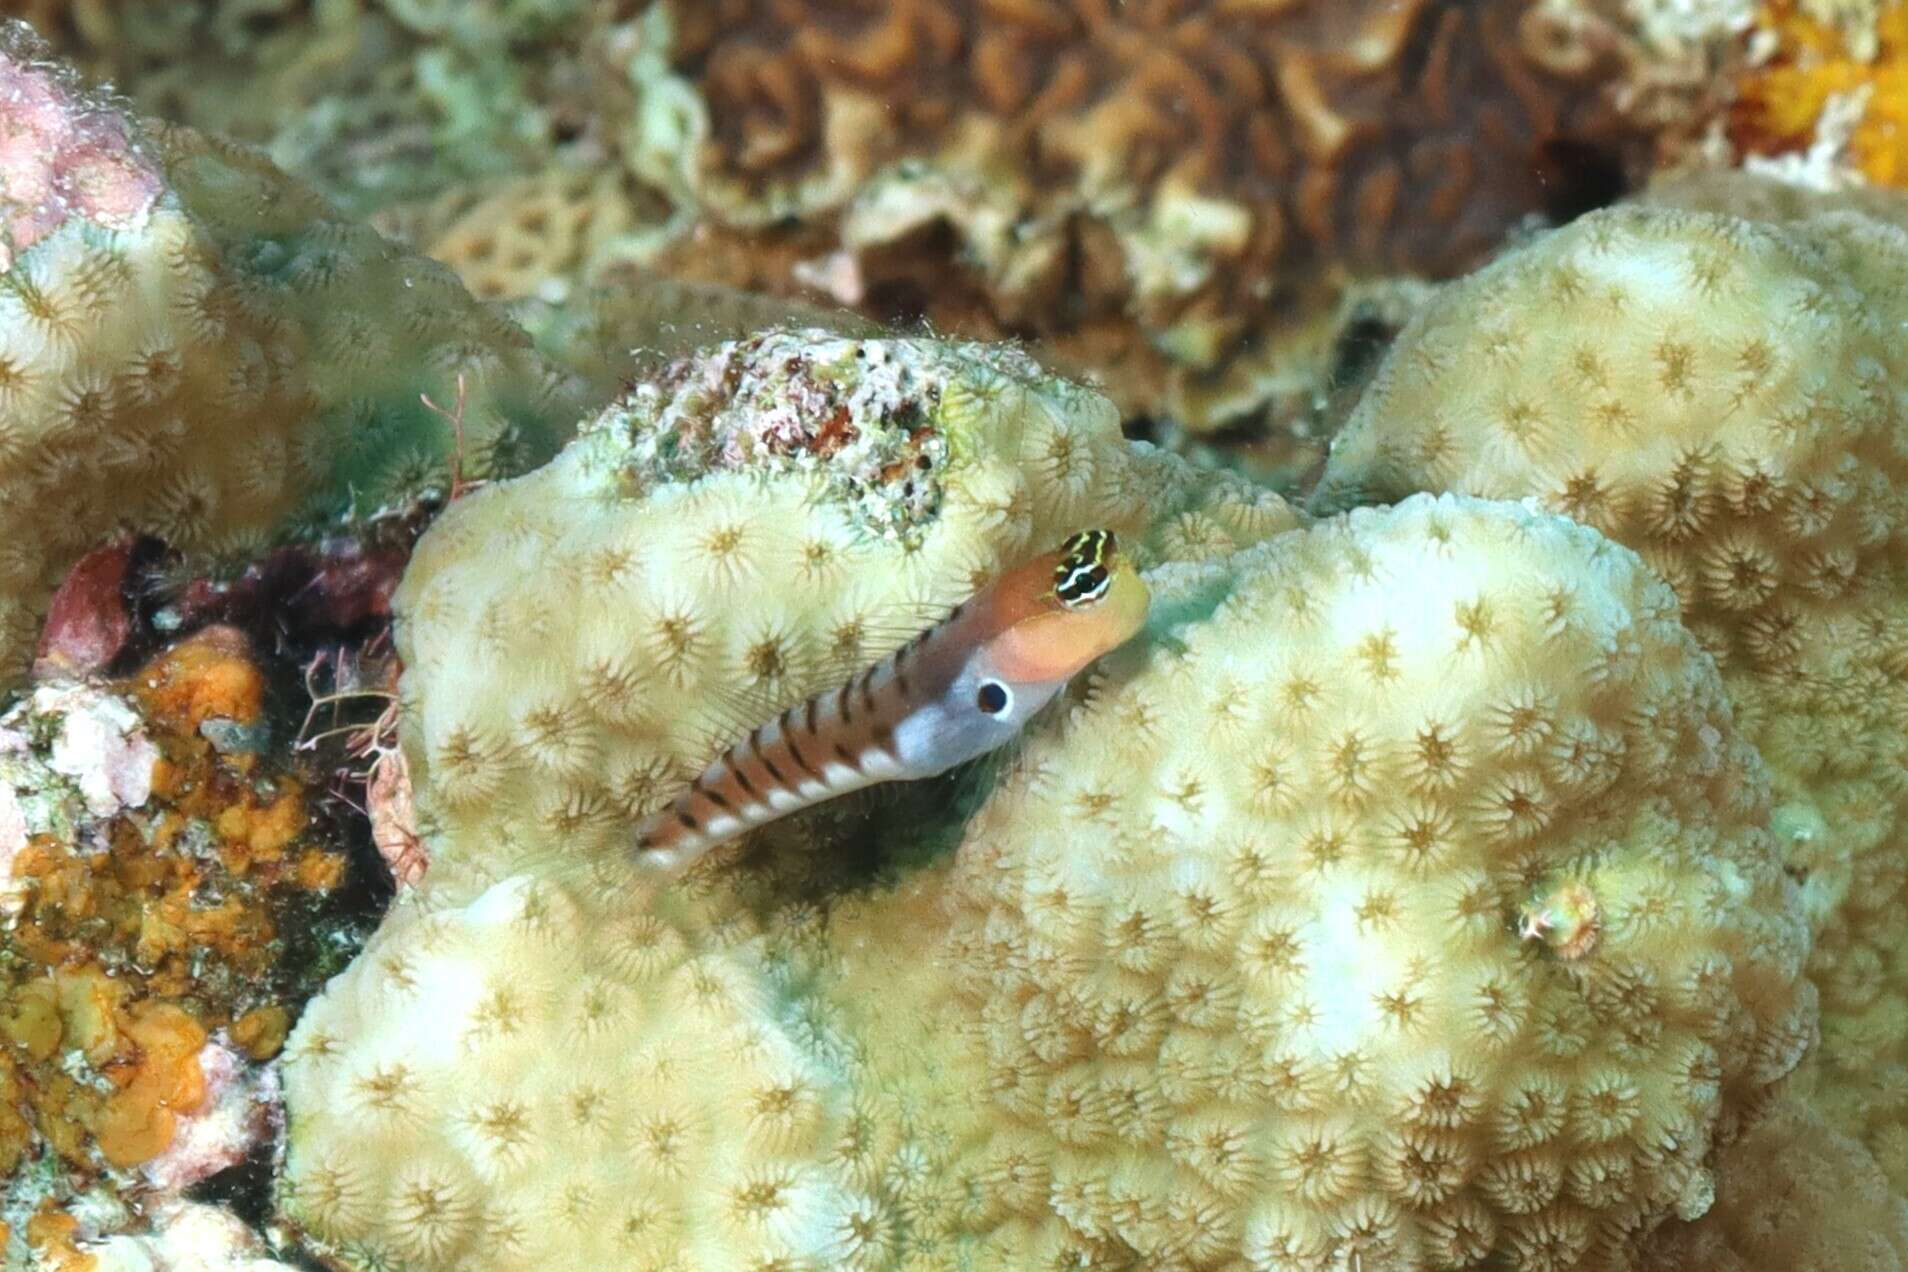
1057, 642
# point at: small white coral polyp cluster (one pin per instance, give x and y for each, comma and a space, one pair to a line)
1229, 968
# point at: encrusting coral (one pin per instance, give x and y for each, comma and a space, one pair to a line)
149, 855
193, 345
1719, 394
1111, 1027
1150, 184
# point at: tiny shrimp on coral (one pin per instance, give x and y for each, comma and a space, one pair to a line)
958, 690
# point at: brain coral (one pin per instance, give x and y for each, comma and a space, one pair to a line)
192, 344
1406, 894
1724, 396
1084, 170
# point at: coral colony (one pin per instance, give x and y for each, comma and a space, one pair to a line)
1476, 837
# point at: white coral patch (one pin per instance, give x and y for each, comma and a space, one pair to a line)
101, 745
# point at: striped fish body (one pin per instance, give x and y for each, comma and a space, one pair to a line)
881, 726
956, 691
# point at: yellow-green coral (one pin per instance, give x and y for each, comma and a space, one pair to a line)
1721, 395
192, 344
806, 501
1248, 949
1228, 966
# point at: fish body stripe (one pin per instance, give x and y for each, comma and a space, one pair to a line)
835, 742
845, 738
794, 751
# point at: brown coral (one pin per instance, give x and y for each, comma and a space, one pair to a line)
1794, 1194
1350, 131
1194, 169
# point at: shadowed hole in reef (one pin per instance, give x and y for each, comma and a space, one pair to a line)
245, 1190
872, 838
1577, 177
1359, 346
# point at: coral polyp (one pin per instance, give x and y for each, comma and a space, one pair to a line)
1493, 862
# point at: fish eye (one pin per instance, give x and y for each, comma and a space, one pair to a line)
993, 697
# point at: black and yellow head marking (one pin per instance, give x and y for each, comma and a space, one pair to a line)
1082, 576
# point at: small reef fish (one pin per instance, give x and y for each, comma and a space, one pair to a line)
958, 690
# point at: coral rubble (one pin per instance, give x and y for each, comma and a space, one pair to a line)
148, 865
1835, 74
194, 345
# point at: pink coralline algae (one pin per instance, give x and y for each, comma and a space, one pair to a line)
239, 1111
64, 154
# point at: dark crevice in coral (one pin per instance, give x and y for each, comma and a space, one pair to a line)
1578, 177
290, 601
1151, 429
907, 298
1234, 434
1358, 349
857, 851
1415, 55
326, 930
245, 1188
